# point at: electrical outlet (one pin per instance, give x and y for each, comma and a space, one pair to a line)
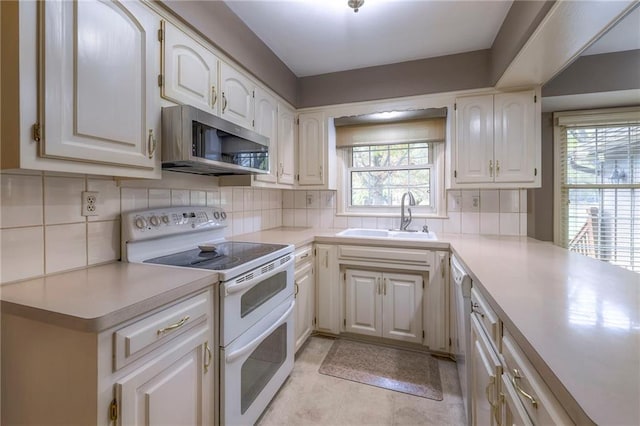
90, 203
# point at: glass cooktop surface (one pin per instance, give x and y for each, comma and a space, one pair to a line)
226, 255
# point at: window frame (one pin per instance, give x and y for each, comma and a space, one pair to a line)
586, 118
437, 186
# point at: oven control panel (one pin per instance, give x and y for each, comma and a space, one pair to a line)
166, 221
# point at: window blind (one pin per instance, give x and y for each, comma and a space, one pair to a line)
425, 130
600, 188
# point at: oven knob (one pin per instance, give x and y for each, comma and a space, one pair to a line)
155, 221
140, 223
216, 215
165, 219
223, 215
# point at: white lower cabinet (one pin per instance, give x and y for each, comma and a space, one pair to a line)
436, 304
172, 388
155, 369
384, 304
327, 289
304, 294
505, 387
529, 389
486, 371
513, 412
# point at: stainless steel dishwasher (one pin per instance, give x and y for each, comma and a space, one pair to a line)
461, 282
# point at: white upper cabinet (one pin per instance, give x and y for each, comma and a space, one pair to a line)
497, 141
286, 144
189, 70
266, 123
474, 139
98, 102
514, 132
238, 94
311, 149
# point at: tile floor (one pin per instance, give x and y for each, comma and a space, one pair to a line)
311, 398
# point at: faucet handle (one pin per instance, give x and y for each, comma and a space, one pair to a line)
425, 228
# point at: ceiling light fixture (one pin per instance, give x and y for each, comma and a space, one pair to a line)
355, 4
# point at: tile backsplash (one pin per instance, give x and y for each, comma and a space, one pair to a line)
490, 212
43, 232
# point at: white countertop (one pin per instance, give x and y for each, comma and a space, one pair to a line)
97, 298
578, 319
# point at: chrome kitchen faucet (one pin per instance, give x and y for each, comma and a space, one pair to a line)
406, 221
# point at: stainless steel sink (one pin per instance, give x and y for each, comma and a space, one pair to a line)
383, 233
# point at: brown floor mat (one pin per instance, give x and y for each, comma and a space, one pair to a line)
406, 371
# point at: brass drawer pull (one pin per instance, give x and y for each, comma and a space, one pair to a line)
151, 144
305, 255
514, 381
214, 96
173, 326
297, 288
207, 363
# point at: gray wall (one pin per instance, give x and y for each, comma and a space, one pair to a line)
597, 73
217, 23
540, 200
434, 75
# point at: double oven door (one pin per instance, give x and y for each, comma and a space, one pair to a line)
256, 365
256, 339
249, 297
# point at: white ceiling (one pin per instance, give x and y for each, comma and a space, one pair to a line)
320, 36
625, 35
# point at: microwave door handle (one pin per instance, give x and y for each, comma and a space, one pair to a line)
249, 347
234, 288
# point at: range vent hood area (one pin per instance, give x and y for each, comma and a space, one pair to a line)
197, 142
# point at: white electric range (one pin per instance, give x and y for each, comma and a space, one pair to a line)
255, 303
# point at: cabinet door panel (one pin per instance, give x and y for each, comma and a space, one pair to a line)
363, 302
436, 303
266, 121
304, 281
514, 137
311, 149
327, 289
286, 145
99, 104
474, 139
402, 309
237, 96
190, 71
171, 389
485, 372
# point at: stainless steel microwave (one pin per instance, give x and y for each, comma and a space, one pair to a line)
195, 141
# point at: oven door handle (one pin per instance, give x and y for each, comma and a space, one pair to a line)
249, 347
234, 288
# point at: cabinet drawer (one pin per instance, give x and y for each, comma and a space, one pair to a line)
541, 405
386, 254
141, 337
303, 254
487, 317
